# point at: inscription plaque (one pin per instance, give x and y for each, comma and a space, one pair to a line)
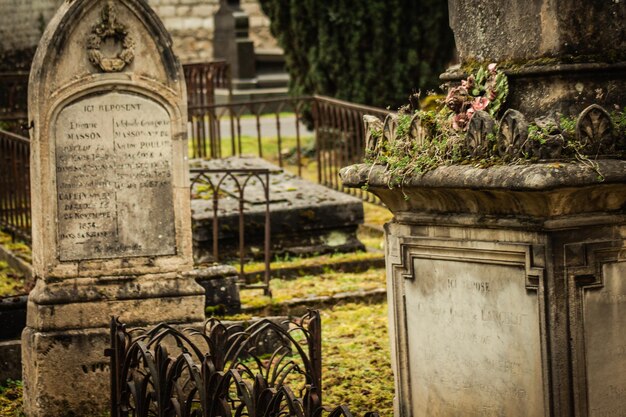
474, 341
114, 178
605, 344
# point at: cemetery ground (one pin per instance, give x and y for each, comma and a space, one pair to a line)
356, 356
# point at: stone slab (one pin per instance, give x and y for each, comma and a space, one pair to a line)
107, 189
474, 340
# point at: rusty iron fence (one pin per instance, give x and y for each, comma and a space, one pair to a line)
15, 214
340, 140
269, 369
202, 80
218, 130
337, 128
233, 216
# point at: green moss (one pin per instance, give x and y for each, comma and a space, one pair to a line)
218, 310
356, 367
309, 286
512, 66
11, 399
19, 248
11, 282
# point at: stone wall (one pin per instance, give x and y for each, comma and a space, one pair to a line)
23, 21
190, 22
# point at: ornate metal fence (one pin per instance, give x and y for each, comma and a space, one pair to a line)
228, 187
15, 184
215, 131
266, 370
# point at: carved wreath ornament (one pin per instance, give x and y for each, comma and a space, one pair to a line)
109, 27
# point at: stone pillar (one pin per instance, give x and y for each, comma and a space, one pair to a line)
507, 284
231, 42
110, 197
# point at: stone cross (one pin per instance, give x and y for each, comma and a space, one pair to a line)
110, 191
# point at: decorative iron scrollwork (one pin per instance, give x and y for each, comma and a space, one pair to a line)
266, 370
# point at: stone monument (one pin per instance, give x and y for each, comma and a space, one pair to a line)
507, 283
110, 197
256, 73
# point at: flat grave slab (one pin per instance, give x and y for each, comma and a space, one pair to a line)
306, 218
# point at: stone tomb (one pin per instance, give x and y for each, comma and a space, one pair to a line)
306, 218
110, 197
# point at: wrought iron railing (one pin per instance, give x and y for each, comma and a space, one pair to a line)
215, 131
337, 127
203, 78
340, 140
266, 370
15, 184
218, 130
226, 189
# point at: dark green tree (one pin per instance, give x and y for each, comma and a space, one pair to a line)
374, 52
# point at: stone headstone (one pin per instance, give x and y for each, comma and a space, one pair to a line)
110, 194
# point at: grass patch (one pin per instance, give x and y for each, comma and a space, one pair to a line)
373, 240
376, 215
11, 399
270, 148
356, 365
310, 286
288, 261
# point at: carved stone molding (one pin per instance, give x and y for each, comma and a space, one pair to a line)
584, 264
478, 131
428, 303
110, 27
595, 130
512, 134
532, 257
372, 140
594, 136
584, 261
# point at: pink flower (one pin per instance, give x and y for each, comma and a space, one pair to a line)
456, 98
480, 103
469, 83
460, 121
492, 67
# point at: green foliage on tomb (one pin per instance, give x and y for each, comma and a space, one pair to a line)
364, 51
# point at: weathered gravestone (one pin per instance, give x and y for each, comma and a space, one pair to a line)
111, 217
507, 284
